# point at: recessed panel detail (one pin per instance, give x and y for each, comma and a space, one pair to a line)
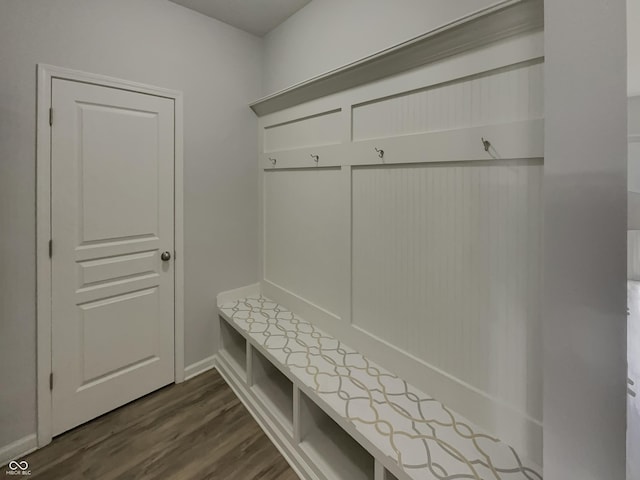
446, 267
322, 129
114, 268
304, 234
118, 332
119, 173
496, 98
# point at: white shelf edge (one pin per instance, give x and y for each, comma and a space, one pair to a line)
505, 19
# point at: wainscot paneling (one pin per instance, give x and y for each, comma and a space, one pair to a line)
317, 130
505, 96
425, 258
303, 234
446, 266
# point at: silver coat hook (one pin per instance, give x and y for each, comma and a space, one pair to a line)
486, 144
316, 158
380, 152
273, 161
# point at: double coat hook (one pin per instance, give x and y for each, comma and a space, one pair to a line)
486, 144
316, 158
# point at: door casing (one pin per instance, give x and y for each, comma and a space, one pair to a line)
46, 73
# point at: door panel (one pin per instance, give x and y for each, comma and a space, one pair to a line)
129, 167
103, 321
112, 154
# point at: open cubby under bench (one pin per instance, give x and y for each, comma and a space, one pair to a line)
336, 415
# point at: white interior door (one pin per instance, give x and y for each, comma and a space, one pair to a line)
112, 213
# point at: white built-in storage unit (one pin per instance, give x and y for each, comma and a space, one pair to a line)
401, 213
337, 415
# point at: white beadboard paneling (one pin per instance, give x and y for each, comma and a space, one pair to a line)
494, 377
509, 52
446, 266
322, 129
501, 96
304, 234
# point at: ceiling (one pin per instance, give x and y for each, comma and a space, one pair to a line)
254, 16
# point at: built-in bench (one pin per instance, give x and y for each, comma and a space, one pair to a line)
336, 415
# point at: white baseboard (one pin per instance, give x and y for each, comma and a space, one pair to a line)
197, 368
18, 449
235, 294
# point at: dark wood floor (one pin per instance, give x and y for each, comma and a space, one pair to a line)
193, 431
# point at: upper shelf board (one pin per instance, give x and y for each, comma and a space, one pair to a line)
497, 22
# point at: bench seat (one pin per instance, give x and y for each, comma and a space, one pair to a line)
424, 438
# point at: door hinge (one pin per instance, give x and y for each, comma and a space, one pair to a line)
51, 381
50, 248
51, 117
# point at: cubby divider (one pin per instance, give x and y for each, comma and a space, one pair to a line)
233, 347
329, 447
389, 476
273, 388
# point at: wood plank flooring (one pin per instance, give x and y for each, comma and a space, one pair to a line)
193, 431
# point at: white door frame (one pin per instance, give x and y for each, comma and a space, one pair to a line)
46, 73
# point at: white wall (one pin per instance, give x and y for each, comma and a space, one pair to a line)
150, 41
633, 47
327, 34
585, 230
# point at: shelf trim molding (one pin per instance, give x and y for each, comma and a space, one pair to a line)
502, 20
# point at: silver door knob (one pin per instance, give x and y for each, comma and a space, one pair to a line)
165, 256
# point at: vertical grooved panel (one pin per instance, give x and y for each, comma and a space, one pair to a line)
502, 96
304, 225
322, 129
446, 267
